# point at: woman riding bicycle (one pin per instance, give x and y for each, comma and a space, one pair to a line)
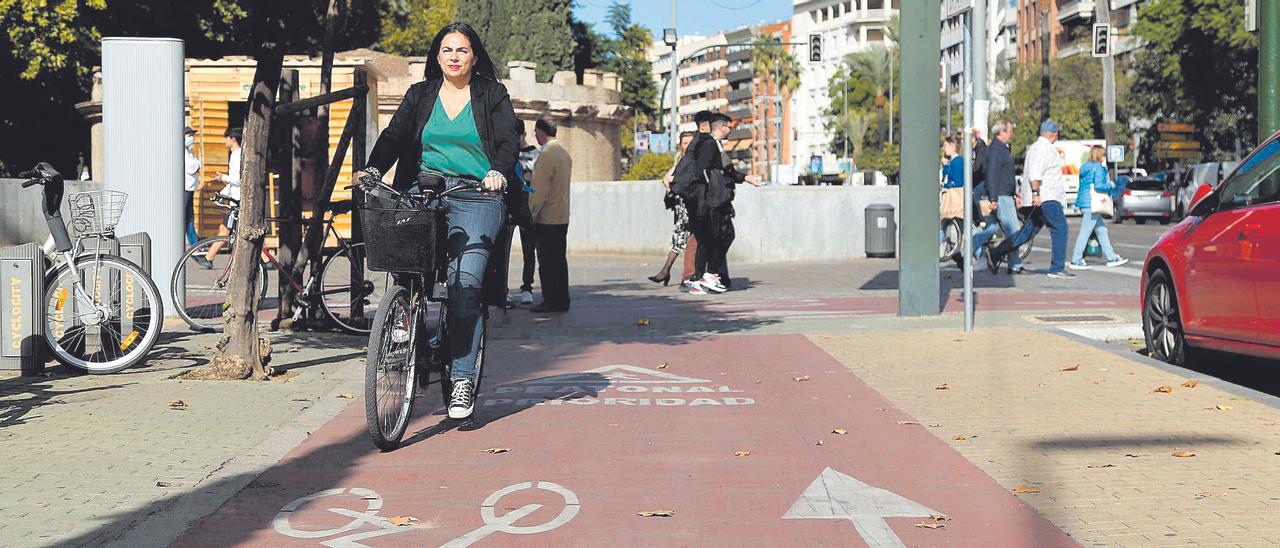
458, 123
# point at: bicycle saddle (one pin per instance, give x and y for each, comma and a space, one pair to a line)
340, 207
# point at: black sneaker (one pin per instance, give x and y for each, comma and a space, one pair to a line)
203, 262
993, 263
462, 403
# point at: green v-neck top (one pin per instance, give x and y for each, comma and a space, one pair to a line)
452, 146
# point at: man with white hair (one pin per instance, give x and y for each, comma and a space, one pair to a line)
1046, 192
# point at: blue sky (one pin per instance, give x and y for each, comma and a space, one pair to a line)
704, 17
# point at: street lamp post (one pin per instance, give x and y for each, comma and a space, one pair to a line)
670, 38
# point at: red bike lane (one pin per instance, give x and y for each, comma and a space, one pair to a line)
718, 432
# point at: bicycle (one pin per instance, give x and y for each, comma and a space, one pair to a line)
103, 314
953, 236
412, 322
201, 286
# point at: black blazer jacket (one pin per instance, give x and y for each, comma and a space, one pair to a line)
401, 142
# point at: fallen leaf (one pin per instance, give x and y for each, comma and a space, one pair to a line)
1163, 389
663, 365
657, 514
940, 517
1072, 367
642, 322
179, 404
401, 521
293, 349
1207, 495
1025, 489
496, 450
715, 386
943, 386
840, 431
819, 442
801, 378
1221, 407
741, 453
1026, 355
1190, 384
300, 399
1101, 466
931, 425
959, 437
908, 423
1131, 455
1183, 454
163, 484
758, 382
931, 525
346, 396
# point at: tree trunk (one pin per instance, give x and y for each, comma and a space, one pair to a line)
240, 350
289, 137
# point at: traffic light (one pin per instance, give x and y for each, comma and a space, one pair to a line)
815, 48
1101, 40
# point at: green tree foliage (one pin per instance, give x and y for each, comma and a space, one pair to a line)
860, 98
48, 49
524, 30
872, 65
1075, 102
626, 56
769, 58
649, 167
409, 26
1199, 66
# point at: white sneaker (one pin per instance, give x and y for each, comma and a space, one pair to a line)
1118, 261
1079, 266
711, 282
695, 288
526, 297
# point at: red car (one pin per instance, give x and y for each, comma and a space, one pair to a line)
1213, 281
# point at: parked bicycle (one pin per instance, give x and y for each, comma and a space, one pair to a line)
103, 314
407, 235
202, 276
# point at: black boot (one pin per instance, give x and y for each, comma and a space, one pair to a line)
996, 255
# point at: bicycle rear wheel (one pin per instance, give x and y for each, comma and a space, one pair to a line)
952, 234
107, 325
390, 368
200, 294
352, 312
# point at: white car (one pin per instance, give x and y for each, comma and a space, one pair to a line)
1207, 173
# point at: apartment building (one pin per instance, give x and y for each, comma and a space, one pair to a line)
1070, 27
845, 26
703, 77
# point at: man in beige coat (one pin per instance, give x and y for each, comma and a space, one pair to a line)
550, 206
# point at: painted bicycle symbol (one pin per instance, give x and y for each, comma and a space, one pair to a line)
357, 529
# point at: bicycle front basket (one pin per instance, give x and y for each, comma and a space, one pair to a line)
96, 212
402, 238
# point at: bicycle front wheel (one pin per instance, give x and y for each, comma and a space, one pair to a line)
199, 289
102, 314
352, 309
390, 368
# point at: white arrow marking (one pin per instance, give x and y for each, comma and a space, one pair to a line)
838, 496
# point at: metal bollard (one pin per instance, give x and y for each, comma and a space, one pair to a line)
22, 291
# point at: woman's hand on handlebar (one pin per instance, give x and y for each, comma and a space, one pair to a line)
494, 182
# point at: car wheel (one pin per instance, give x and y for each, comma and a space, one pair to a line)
1164, 221
1140, 220
1162, 321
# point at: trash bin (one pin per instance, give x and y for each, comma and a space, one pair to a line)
22, 329
881, 231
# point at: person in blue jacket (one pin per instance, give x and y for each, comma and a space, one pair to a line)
1093, 178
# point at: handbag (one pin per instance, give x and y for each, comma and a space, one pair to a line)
1100, 203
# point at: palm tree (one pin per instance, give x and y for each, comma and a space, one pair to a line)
872, 64
770, 61
854, 125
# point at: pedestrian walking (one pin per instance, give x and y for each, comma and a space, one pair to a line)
1093, 178
190, 184
701, 119
232, 138
528, 248
1001, 187
1046, 192
711, 174
680, 228
550, 205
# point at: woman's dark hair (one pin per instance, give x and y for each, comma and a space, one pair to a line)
484, 64
235, 133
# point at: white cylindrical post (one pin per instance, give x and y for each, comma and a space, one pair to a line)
143, 94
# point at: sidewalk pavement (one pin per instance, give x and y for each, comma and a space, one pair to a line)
234, 431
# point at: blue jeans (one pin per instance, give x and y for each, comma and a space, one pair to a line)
1093, 224
474, 222
189, 215
1049, 214
1007, 215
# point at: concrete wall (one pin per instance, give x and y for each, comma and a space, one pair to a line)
21, 219
773, 224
